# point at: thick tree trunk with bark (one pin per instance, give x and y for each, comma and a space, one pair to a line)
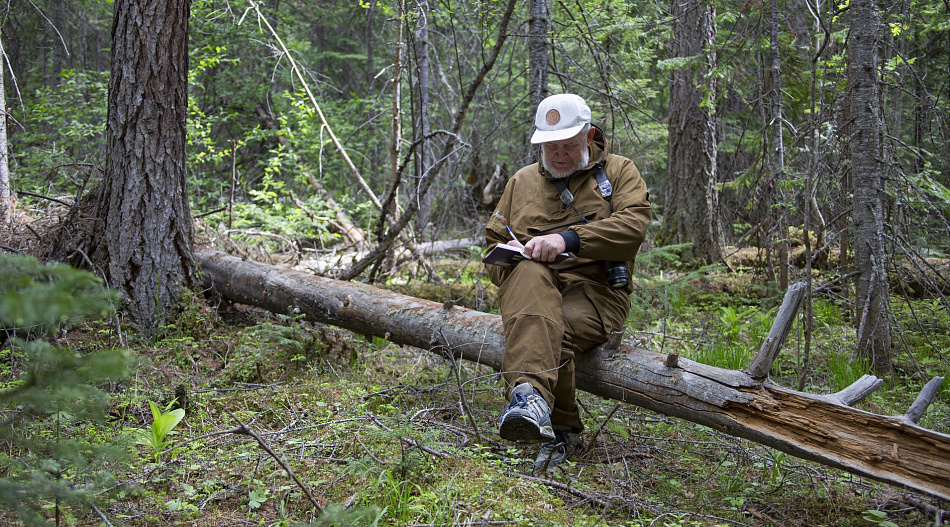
824, 428
691, 200
145, 242
871, 293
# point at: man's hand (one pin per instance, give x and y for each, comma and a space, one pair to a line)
545, 248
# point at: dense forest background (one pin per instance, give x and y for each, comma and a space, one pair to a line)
291, 102
782, 141
775, 79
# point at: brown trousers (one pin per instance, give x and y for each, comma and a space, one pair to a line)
548, 317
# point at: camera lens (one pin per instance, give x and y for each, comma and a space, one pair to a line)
617, 276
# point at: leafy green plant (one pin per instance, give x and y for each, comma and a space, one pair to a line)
753, 320
877, 517
398, 497
774, 470
67, 124
257, 497
336, 515
163, 422
273, 347
827, 313
732, 320
759, 326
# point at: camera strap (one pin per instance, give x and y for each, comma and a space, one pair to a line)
603, 184
606, 189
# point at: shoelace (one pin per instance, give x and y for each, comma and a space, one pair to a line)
520, 400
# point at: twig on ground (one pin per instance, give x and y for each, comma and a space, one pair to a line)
50, 198
410, 442
593, 438
31, 229
458, 381
481, 523
763, 516
566, 488
924, 507
368, 451
243, 429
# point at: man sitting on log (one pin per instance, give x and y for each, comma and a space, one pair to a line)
593, 205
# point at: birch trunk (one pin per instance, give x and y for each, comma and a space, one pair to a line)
538, 22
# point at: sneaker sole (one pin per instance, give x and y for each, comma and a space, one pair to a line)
525, 431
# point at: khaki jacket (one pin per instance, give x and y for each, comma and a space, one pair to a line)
532, 206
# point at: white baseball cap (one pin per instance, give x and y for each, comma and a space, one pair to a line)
560, 117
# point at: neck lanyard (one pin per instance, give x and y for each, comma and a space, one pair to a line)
567, 198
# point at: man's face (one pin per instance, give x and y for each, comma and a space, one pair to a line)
563, 158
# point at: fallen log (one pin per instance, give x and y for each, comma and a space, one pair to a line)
820, 428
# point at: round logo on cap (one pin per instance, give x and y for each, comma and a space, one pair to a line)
552, 117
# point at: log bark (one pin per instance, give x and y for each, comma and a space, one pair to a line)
893, 450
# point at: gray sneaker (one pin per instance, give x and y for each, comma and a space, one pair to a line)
527, 418
556, 451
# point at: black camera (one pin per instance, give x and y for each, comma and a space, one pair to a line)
617, 275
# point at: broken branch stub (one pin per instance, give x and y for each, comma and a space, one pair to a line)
858, 390
926, 396
784, 320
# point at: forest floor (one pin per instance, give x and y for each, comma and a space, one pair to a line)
379, 434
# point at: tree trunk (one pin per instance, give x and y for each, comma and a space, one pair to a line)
391, 207
423, 158
691, 205
778, 143
871, 290
145, 241
538, 21
819, 428
6, 202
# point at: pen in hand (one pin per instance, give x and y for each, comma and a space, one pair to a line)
515, 239
507, 228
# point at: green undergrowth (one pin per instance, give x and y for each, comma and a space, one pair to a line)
381, 434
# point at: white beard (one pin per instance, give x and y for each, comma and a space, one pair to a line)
558, 174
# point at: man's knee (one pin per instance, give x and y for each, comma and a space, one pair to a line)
530, 271
531, 289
